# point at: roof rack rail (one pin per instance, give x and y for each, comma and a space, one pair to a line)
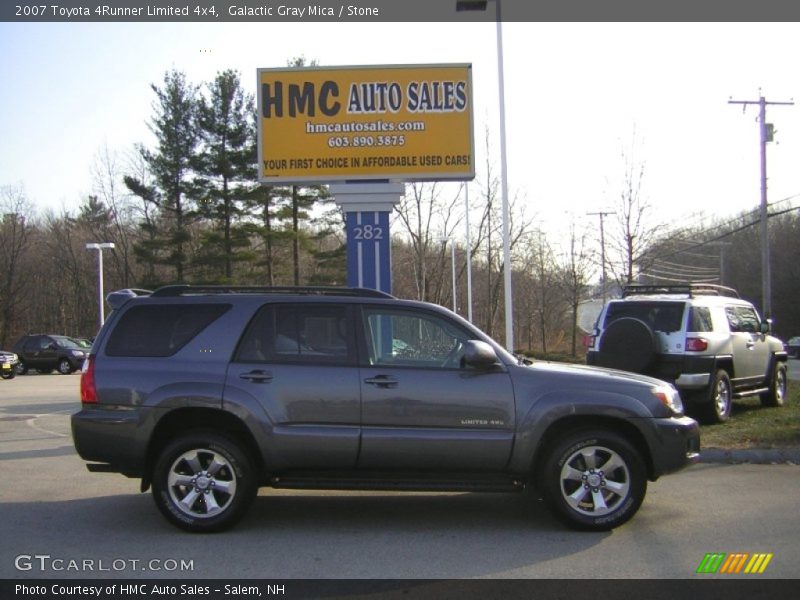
690, 289
197, 290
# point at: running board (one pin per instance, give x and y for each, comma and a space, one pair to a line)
748, 393
304, 482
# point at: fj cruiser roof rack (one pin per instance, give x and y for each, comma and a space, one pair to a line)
201, 290
690, 289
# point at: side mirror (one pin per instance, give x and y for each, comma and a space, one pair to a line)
766, 326
479, 354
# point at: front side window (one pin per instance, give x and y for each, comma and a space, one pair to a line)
304, 333
742, 319
748, 319
406, 338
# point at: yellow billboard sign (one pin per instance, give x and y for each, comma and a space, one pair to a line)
401, 123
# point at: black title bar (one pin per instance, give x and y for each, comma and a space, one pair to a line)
282, 11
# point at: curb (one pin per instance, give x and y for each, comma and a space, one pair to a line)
756, 456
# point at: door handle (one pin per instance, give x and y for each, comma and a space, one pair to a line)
382, 381
750, 344
257, 376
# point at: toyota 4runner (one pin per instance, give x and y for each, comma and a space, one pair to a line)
208, 393
712, 345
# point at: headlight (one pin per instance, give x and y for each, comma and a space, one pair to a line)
77, 353
669, 397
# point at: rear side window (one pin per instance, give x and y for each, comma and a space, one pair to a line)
160, 330
303, 333
700, 319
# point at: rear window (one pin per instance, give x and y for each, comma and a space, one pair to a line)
159, 330
660, 316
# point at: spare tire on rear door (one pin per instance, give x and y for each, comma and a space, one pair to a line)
627, 344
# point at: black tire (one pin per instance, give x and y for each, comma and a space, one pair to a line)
20, 368
627, 344
776, 396
8, 374
208, 506
566, 477
65, 367
716, 405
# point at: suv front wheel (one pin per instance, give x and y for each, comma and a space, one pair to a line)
776, 396
203, 482
593, 480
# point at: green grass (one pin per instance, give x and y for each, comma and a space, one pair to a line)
755, 426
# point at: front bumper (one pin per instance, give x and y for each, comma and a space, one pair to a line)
677, 445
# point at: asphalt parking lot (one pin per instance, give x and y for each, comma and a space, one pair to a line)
52, 506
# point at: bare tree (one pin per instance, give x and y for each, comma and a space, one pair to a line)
633, 233
15, 237
109, 188
429, 217
575, 273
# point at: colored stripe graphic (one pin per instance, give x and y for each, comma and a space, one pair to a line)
758, 564
711, 563
734, 564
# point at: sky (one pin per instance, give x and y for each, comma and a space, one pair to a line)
578, 95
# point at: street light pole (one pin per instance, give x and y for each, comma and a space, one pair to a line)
480, 5
469, 254
453, 263
100, 247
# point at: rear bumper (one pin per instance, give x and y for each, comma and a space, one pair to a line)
677, 445
686, 371
112, 438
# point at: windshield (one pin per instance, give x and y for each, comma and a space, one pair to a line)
66, 342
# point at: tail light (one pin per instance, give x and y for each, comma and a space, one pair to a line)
88, 388
696, 344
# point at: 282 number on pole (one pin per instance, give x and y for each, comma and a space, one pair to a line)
368, 232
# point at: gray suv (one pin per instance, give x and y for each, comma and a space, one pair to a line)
712, 345
208, 393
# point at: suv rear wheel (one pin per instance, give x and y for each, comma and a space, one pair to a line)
593, 480
776, 396
203, 482
717, 405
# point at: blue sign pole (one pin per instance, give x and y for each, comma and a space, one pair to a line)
369, 251
367, 207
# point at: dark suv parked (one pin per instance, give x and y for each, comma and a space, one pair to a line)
47, 352
209, 393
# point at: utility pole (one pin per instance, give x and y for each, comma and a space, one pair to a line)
602, 215
766, 131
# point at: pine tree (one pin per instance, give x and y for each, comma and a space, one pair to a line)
225, 173
174, 125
